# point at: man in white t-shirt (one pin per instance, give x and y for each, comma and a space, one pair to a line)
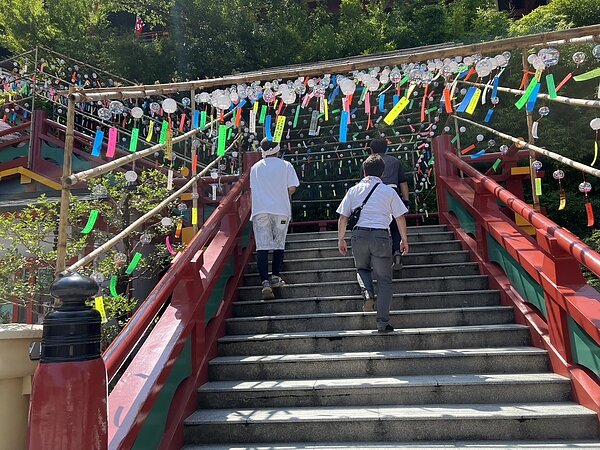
272, 183
371, 241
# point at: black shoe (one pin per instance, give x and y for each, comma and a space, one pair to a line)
397, 260
368, 302
388, 329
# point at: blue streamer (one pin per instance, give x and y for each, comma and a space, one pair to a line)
495, 88
489, 115
465, 103
478, 154
240, 104
97, 143
196, 120
333, 95
396, 99
382, 103
533, 98
344, 126
268, 127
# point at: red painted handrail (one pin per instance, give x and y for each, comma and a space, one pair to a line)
124, 344
567, 240
553, 260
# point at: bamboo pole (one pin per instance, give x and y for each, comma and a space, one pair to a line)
559, 99
531, 140
132, 227
65, 194
104, 168
346, 65
542, 151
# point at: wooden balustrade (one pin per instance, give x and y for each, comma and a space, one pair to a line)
540, 277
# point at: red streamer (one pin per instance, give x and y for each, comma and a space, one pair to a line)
424, 103
468, 149
447, 101
590, 214
564, 81
182, 122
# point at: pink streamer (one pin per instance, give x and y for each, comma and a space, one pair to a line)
112, 142
169, 247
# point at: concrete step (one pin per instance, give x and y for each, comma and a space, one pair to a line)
344, 262
379, 363
428, 445
325, 275
332, 251
412, 422
424, 229
430, 284
364, 340
411, 390
423, 318
351, 303
322, 241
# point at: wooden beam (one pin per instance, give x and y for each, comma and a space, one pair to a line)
339, 65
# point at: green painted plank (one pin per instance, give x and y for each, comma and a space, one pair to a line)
586, 351
465, 219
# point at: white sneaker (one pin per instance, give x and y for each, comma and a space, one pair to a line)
267, 292
276, 281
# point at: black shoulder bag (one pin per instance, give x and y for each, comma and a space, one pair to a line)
355, 215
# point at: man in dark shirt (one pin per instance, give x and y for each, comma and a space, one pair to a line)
393, 176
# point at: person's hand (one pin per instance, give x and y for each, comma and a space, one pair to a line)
404, 247
342, 247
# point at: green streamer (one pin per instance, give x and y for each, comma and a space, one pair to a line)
410, 105
222, 139
296, 116
532, 84
163, 132
404, 80
229, 133
113, 286
335, 111
454, 139
89, 226
133, 264
551, 86
134, 140
263, 114
588, 75
432, 109
496, 164
202, 120
363, 94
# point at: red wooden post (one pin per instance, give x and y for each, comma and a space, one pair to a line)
442, 144
69, 406
485, 204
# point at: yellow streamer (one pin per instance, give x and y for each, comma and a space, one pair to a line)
595, 153
255, 106
538, 74
150, 131
326, 106
194, 216
538, 186
99, 306
396, 110
410, 90
563, 200
474, 100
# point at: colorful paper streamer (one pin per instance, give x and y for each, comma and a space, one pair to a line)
112, 142
280, 126
99, 306
496, 164
588, 75
133, 143
525, 97
489, 115
133, 264
590, 214
551, 86
150, 131
467, 100
163, 132
263, 114
98, 138
113, 286
169, 246
89, 226
538, 186
563, 200
343, 137
296, 116
222, 140
474, 100
396, 110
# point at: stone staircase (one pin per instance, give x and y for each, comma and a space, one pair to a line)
308, 370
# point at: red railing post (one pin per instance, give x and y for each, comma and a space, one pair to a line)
485, 204
442, 144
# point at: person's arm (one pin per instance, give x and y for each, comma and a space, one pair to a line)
291, 190
342, 245
401, 222
404, 191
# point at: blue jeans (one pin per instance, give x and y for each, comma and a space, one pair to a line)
372, 251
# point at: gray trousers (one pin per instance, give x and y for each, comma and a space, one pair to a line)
372, 251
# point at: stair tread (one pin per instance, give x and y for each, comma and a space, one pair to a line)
241, 386
398, 280
348, 235
349, 297
376, 355
492, 411
352, 269
413, 244
330, 258
545, 444
355, 333
482, 309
